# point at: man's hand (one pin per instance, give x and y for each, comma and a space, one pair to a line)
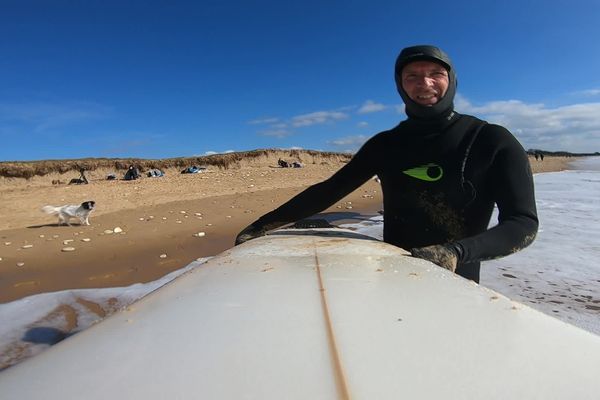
442, 255
250, 232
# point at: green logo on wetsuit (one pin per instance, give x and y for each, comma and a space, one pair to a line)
429, 172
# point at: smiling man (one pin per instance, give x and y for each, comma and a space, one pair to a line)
425, 82
441, 174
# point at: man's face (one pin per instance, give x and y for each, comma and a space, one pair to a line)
425, 82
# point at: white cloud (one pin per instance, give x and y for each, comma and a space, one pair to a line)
290, 148
370, 106
212, 153
589, 92
279, 128
318, 117
362, 124
278, 133
349, 143
43, 116
264, 121
461, 104
574, 128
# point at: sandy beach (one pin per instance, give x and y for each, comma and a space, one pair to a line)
166, 222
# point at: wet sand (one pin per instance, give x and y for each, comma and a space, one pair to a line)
166, 222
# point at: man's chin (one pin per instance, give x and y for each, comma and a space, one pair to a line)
426, 104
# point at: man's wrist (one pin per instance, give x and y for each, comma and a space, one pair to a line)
457, 249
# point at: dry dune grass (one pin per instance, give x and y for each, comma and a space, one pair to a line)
30, 169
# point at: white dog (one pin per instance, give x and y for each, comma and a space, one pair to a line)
65, 213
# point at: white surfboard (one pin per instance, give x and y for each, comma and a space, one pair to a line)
317, 314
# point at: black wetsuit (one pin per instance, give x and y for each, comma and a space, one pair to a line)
441, 173
440, 181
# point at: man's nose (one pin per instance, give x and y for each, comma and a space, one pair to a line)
425, 81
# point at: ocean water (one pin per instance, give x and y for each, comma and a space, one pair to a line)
32, 324
558, 274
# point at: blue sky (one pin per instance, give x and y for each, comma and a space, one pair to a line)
157, 79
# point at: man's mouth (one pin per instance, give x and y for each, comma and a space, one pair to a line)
427, 96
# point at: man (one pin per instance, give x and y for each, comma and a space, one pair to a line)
441, 173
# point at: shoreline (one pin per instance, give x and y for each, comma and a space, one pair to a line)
161, 232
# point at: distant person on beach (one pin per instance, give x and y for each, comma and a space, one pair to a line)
82, 180
441, 173
132, 173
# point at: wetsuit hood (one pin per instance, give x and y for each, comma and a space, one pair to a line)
442, 108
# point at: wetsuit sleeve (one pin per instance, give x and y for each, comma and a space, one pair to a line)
322, 195
510, 182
